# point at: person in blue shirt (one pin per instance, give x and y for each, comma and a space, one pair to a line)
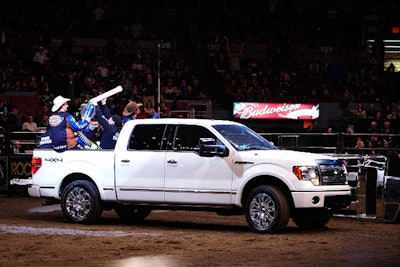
110, 125
62, 126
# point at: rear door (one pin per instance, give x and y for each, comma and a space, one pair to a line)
139, 170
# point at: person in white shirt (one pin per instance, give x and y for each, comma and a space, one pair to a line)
30, 125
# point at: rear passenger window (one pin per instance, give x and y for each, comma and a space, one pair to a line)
147, 137
188, 136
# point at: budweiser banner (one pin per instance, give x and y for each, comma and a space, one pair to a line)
275, 111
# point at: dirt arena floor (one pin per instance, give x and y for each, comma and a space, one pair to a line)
35, 235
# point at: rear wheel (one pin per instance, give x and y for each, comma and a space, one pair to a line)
132, 214
267, 210
81, 202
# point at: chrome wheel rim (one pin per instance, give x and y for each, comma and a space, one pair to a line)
262, 211
78, 203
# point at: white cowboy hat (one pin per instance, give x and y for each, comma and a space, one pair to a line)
58, 102
130, 108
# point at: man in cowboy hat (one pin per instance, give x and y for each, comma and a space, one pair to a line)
131, 111
60, 134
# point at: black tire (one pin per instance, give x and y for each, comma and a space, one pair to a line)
81, 202
310, 219
267, 210
132, 214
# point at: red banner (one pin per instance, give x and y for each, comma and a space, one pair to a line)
275, 111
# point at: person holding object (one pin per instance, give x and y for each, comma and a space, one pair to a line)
109, 124
62, 126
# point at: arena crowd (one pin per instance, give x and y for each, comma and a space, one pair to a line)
223, 51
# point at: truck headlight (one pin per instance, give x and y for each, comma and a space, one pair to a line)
307, 173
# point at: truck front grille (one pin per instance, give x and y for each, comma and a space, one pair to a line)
333, 172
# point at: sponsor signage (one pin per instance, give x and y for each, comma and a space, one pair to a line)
275, 111
20, 166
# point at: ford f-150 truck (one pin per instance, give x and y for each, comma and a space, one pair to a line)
193, 164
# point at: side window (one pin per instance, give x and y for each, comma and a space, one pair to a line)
187, 137
147, 137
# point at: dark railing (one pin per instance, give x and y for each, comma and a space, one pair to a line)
332, 142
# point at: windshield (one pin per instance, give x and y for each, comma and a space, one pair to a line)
243, 138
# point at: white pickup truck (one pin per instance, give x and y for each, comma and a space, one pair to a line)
193, 164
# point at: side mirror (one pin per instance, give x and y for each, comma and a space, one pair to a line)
208, 148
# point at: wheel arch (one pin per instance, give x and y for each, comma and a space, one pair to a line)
74, 177
266, 180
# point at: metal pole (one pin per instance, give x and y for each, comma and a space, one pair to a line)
159, 83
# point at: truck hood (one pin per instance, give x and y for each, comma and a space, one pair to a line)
294, 157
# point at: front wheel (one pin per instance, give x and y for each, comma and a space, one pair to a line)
267, 210
81, 202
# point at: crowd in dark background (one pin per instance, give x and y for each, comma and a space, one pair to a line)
312, 52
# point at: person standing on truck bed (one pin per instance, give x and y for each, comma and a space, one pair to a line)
109, 124
131, 111
62, 125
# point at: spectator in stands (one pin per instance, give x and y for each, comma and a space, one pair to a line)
5, 107
149, 110
361, 112
234, 62
330, 139
47, 98
360, 145
114, 108
380, 120
75, 107
137, 66
352, 66
29, 125
170, 92
71, 86
182, 90
396, 118
326, 96
164, 110
388, 111
387, 128
373, 127
13, 122
197, 89
371, 112
44, 112
365, 97
17, 147
190, 95
149, 90
44, 122
347, 98
136, 29
136, 95
312, 97
40, 57
374, 142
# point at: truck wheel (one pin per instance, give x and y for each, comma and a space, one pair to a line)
131, 214
267, 210
81, 203
311, 219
